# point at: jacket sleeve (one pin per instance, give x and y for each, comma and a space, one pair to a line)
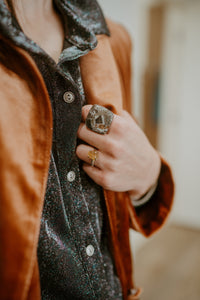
148, 218
25, 146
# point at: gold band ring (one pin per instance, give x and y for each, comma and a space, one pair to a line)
93, 154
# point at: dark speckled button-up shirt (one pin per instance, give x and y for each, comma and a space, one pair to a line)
73, 255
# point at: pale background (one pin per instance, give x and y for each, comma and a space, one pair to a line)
179, 136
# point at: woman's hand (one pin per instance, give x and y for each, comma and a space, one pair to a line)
126, 160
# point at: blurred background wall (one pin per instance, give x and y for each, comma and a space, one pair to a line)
179, 136
166, 87
166, 90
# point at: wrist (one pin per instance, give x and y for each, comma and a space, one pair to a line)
149, 184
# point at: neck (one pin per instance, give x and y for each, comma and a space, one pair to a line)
32, 8
37, 18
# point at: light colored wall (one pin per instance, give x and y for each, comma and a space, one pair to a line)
180, 108
179, 134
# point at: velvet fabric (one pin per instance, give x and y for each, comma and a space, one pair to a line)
26, 140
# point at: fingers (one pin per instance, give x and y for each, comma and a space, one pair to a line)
101, 141
121, 158
96, 140
99, 176
85, 111
94, 173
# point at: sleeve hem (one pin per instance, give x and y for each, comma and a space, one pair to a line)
150, 217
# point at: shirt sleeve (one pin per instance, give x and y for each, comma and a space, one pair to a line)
145, 198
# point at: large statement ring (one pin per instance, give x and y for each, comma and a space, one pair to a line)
99, 119
93, 154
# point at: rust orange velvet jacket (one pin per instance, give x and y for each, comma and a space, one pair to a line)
25, 145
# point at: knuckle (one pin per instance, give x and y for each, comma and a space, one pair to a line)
117, 150
109, 143
116, 126
123, 126
120, 126
115, 167
111, 165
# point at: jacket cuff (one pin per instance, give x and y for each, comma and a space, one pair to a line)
148, 218
145, 198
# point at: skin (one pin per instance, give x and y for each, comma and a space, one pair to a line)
126, 162
37, 19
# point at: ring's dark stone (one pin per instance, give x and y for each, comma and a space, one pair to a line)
99, 119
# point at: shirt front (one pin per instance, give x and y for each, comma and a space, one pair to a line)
73, 255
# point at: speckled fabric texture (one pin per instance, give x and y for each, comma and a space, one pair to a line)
74, 216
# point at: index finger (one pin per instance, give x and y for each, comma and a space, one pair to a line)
92, 138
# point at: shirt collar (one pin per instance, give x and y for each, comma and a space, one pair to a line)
84, 20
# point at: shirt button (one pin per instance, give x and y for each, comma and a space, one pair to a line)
68, 97
71, 176
90, 250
